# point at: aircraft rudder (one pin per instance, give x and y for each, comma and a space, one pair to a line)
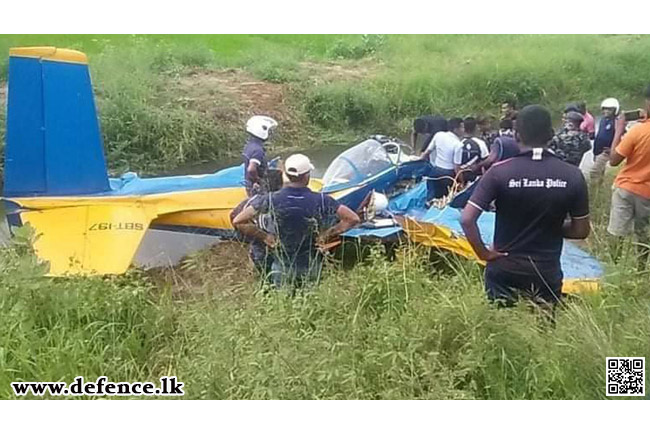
54, 145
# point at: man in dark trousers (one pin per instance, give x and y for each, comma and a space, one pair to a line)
534, 192
300, 219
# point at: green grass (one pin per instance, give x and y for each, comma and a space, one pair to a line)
409, 75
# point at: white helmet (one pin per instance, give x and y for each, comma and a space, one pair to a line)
380, 200
377, 204
611, 103
260, 126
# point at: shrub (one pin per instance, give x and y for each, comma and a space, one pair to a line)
367, 46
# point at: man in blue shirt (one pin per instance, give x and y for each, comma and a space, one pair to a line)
299, 218
259, 129
603, 140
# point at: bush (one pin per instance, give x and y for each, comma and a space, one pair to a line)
140, 136
143, 127
392, 330
275, 70
367, 46
336, 106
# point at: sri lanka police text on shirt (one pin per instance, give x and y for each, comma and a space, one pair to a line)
537, 183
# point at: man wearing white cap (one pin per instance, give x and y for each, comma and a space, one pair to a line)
299, 216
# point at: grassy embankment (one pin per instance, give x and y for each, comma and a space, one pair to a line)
381, 330
172, 100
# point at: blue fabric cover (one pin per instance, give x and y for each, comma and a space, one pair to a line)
576, 263
132, 184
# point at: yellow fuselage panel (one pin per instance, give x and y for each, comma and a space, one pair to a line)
208, 208
213, 219
434, 235
88, 239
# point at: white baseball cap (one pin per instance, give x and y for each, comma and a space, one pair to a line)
297, 164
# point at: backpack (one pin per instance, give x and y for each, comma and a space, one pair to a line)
471, 152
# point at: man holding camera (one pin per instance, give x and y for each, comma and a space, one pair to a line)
630, 207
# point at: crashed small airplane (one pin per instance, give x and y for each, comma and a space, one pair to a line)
56, 178
87, 223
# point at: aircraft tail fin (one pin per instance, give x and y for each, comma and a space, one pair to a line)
54, 146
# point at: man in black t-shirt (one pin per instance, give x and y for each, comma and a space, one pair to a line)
534, 192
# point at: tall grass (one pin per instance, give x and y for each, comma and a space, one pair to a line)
147, 128
144, 126
461, 75
59, 328
384, 329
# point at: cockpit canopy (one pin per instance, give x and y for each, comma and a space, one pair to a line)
357, 164
369, 158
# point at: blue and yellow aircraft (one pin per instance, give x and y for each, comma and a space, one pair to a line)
87, 223
56, 179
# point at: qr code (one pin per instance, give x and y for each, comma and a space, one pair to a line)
625, 377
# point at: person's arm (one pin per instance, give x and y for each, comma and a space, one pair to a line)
429, 149
251, 230
253, 174
347, 219
485, 193
578, 226
490, 160
244, 224
616, 158
414, 139
468, 220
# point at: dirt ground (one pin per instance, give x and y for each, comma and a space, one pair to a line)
213, 91
231, 96
343, 70
224, 269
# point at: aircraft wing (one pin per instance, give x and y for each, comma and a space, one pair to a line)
95, 239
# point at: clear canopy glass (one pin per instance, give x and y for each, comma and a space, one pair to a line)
357, 164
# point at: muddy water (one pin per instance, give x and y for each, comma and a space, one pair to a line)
320, 156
